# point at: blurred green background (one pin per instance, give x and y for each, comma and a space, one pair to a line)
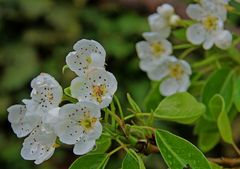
36, 36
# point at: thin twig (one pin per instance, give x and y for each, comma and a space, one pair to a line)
224, 161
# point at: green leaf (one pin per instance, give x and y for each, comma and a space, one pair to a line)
67, 91
208, 134
237, 93
208, 140
227, 91
179, 153
220, 82
224, 127
216, 106
102, 144
90, 161
181, 107
133, 104
132, 161
215, 166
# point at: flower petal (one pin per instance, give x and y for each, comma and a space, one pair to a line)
83, 146
96, 132
165, 10
38, 146
89, 53
143, 49
195, 11
184, 83
196, 34
223, 39
169, 87
159, 72
16, 113
21, 124
46, 91
97, 80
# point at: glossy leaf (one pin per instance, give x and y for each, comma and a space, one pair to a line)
208, 140
181, 107
179, 153
132, 161
102, 144
91, 161
216, 106
208, 134
224, 127
237, 93
215, 166
220, 82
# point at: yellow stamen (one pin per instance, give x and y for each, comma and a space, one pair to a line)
50, 96
89, 59
98, 92
176, 71
210, 22
157, 48
88, 122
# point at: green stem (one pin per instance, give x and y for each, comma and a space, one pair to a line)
188, 51
236, 148
124, 146
204, 62
119, 107
115, 150
144, 127
182, 46
137, 115
118, 120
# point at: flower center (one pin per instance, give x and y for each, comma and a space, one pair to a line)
98, 92
210, 22
88, 122
157, 48
176, 71
89, 59
50, 95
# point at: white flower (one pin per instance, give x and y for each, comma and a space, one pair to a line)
79, 125
175, 75
215, 7
39, 145
87, 54
152, 51
210, 27
37, 118
21, 124
163, 20
47, 92
98, 86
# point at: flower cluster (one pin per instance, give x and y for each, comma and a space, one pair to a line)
43, 121
37, 117
209, 29
155, 53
